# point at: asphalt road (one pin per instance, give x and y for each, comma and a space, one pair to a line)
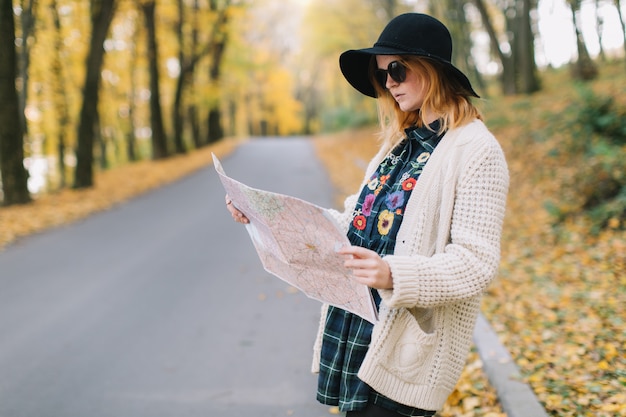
160, 307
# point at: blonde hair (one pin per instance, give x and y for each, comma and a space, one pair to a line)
444, 96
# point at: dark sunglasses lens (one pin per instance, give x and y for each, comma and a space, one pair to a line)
381, 77
397, 72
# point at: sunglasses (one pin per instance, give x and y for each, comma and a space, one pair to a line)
396, 70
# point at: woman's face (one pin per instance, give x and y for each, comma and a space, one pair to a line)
409, 94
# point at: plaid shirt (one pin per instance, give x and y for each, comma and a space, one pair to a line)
375, 223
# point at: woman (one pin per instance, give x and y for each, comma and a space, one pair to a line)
425, 230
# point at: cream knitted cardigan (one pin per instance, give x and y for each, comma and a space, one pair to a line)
447, 252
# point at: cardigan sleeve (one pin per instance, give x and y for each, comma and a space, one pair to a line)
469, 260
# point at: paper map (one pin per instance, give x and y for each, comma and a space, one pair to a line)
297, 242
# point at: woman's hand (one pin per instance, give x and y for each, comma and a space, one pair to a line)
368, 267
237, 215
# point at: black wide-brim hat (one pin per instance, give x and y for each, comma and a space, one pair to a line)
407, 34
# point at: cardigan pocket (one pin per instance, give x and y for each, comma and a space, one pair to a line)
408, 347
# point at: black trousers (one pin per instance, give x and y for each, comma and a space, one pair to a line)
372, 410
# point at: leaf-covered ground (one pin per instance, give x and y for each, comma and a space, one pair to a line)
559, 305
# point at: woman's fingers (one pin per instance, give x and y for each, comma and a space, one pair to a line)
237, 215
367, 267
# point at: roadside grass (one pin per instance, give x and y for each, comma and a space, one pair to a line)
112, 187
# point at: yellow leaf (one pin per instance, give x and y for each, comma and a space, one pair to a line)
614, 223
613, 407
471, 403
618, 399
610, 351
455, 397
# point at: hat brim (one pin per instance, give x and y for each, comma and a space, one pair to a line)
354, 65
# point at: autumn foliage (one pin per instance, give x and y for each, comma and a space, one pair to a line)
559, 305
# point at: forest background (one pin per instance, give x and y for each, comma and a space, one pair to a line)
102, 99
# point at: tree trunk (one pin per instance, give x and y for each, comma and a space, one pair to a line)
192, 115
599, 31
459, 28
131, 140
14, 175
27, 18
508, 67
310, 97
622, 23
60, 98
177, 112
511, 71
101, 144
215, 125
528, 82
216, 131
159, 140
584, 68
192, 109
101, 15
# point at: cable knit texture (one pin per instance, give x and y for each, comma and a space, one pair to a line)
447, 252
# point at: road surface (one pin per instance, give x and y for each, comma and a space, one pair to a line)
160, 307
